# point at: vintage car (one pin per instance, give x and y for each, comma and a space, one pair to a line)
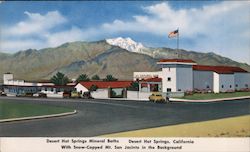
75, 94
157, 97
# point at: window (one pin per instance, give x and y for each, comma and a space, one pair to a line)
230, 86
179, 89
168, 89
207, 86
236, 85
222, 86
169, 79
246, 85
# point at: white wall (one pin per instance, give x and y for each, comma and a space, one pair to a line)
216, 82
79, 87
184, 80
100, 94
169, 72
21, 83
7, 77
145, 75
136, 95
202, 79
225, 80
241, 79
55, 95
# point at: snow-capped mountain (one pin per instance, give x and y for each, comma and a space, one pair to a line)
126, 43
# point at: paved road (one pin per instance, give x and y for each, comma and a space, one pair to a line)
98, 117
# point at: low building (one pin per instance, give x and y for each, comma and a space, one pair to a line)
105, 89
14, 87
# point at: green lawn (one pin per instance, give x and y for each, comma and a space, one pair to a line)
18, 110
204, 96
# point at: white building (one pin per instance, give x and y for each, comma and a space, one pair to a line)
13, 87
179, 76
220, 78
105, 89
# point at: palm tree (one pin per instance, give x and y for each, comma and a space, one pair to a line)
95, 77
110, 78
134, 86
59, 79
93, 88
82, 77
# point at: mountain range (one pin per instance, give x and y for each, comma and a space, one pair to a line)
119, 57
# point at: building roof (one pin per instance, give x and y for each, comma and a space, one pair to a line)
155, 79
177, 60
106, 84
59, 86
218, 69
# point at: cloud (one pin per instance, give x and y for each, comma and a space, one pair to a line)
55, 39
31, 33
221, 27
22, 44
36, 31
160, 19
35, 24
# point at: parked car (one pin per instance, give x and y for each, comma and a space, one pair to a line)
66, 94
87, 95
20, 95
2, 93
24, 95
157, 97
75, 94
42, 95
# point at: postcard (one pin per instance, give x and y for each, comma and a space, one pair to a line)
122, 76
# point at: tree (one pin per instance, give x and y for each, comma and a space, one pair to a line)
134, 86
110, 78
93, 88
82, 77
95, 77
59, 79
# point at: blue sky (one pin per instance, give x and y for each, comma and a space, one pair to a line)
221, 27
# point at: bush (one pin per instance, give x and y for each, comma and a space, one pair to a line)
188, 93
93, 88
95, 77
134, 86
82, 77
110, 78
